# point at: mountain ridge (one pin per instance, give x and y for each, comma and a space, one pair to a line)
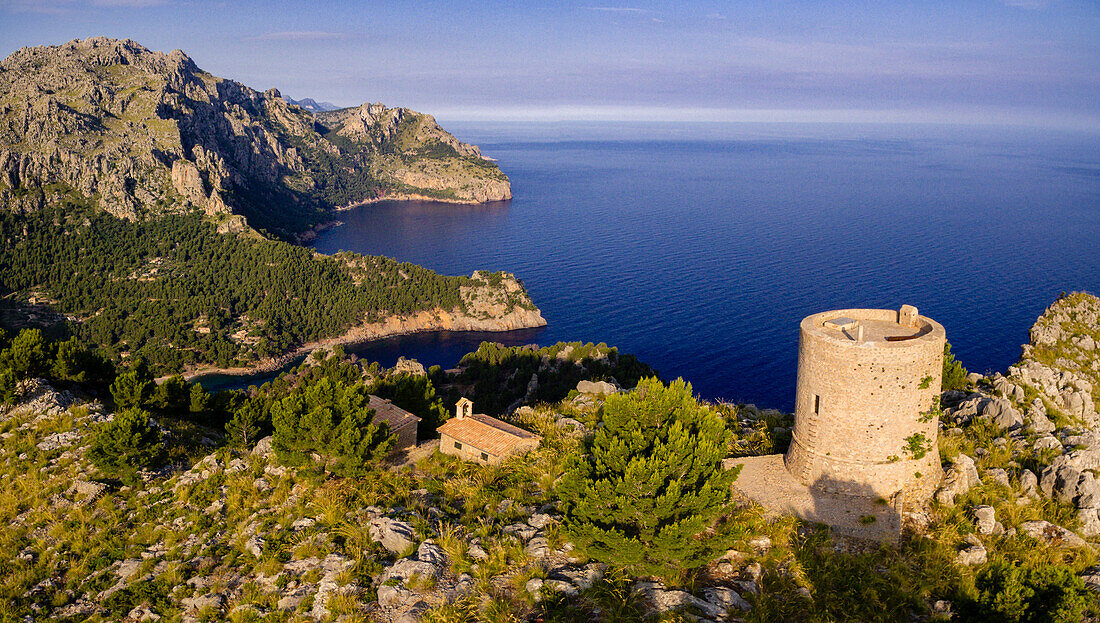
140, 133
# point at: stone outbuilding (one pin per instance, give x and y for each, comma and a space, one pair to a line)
478, 437
864, 444
401, 422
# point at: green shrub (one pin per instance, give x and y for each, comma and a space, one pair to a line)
650, 482
1011, 593
126, 444
954, 374
332, 420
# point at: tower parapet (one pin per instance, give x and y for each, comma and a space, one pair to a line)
867, 384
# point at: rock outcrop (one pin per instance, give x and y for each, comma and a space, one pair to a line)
140, 133
1062, 362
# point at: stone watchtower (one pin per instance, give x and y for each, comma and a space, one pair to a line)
864, 428
867, 381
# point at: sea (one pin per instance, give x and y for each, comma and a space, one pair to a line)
700, 247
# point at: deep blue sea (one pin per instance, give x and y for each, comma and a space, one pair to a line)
700, 247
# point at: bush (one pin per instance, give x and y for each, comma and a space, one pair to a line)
27, 356
126, 444
650, 482
954, 374
133, 389
332, 420
1011, 593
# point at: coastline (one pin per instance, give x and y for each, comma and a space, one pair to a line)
420, 322
414, 197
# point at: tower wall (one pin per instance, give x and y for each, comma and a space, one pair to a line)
861, 397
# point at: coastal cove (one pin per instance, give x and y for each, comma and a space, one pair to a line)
699, 247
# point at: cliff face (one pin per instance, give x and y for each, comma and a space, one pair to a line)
141, 133
1062, 362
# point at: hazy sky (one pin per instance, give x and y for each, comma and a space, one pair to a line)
990, 61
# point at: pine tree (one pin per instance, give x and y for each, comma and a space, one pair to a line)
650, 483
200, 400
132, 390
7, 386
249, 423
954, 374
72, 362
126, 444
331, 419
27, 355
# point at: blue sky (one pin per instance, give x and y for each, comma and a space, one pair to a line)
1034, 62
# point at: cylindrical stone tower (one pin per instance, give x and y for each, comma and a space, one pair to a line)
867, 379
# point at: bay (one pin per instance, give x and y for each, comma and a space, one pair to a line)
699, 247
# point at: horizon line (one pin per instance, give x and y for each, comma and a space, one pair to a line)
672, 114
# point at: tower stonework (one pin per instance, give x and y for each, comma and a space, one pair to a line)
867, 382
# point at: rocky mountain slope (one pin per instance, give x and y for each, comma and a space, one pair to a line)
141, 133
226, 534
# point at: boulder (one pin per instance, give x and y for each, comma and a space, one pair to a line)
727, 598
538, 548
1051, 534
534, 586
973, 555
1001, 412
958, 479
263, 448
1090, 521
999, 476
662, 600
1047, 442
390, 596
406, 569
409, 366
540, 520
431, 553
596, 387
255, 546
396, 536
985, 520
1029, 483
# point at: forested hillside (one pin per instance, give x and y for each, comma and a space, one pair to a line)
174, 292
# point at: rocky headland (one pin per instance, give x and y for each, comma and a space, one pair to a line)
140, 133
490, 306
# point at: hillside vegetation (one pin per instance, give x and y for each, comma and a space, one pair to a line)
623, 514
174, 292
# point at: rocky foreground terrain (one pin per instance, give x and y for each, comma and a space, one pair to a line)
140, 133
234, 535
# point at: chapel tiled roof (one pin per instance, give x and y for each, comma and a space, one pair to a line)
395, 416
485, 433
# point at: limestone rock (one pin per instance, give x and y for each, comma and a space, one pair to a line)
1029, 483
661, 599
409, 366
727, 598
263, 448
1001, 412
406, 569
999, 476
957, 480
396, 536
431, 553
136, 139
985, 521
973, 555
1051, 534
602, 388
